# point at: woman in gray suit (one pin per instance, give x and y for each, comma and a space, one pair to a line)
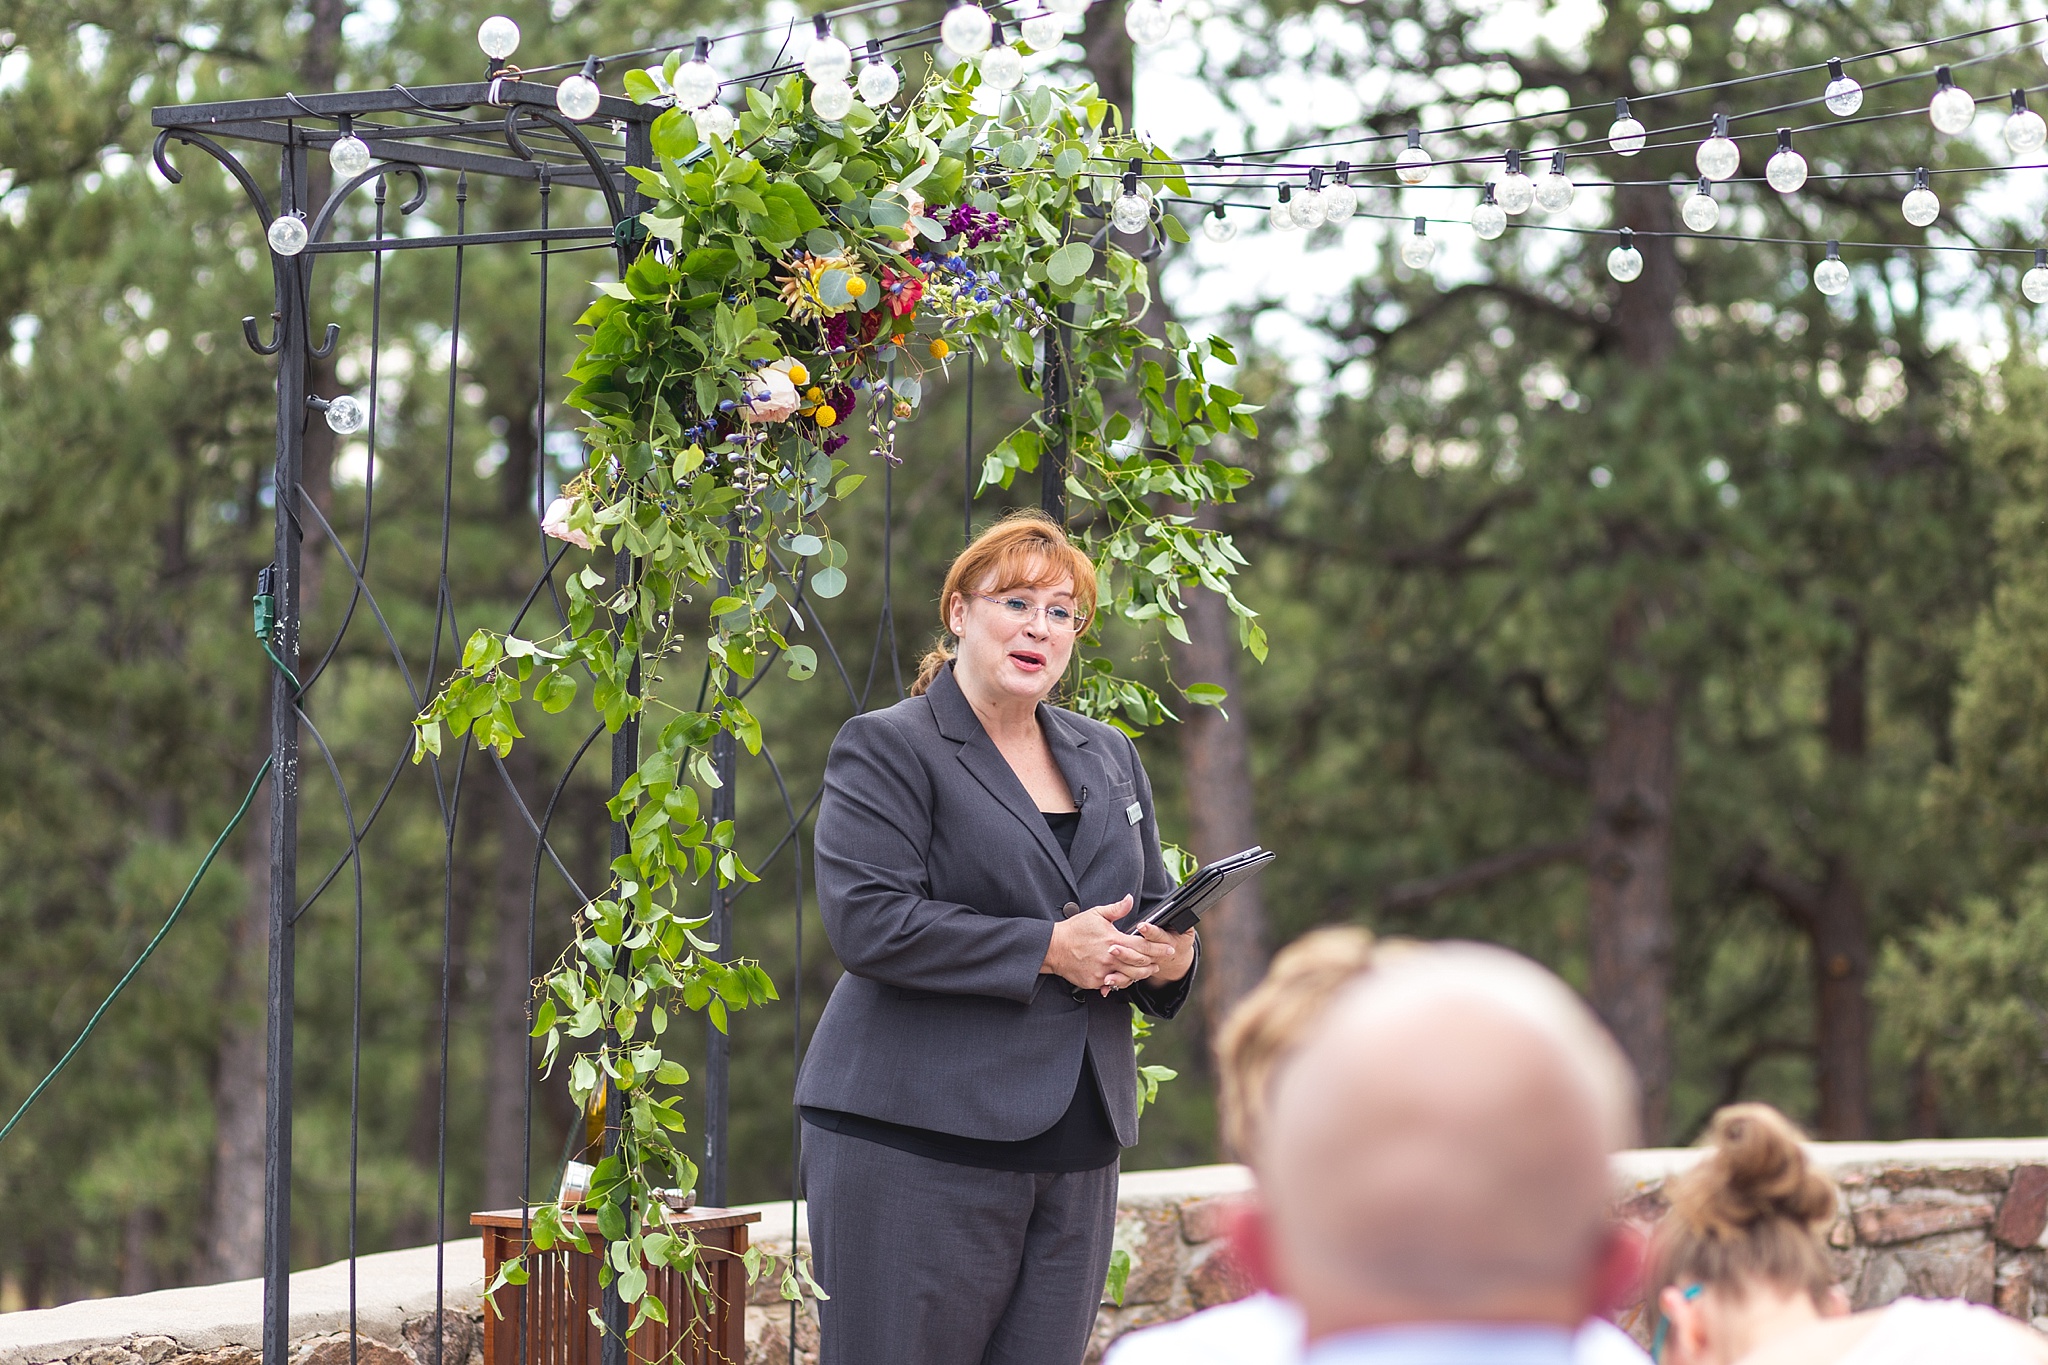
972, 1081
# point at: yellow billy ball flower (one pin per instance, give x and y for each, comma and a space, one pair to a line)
815, 395
856, 287
824, 416
797, 373
939, 349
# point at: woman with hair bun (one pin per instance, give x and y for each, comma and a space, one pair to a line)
983, 859
1739, 1270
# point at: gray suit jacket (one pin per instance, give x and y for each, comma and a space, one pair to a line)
939, 883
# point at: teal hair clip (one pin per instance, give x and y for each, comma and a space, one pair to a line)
1692, 1291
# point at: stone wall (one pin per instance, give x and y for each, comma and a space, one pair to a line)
1940, 1219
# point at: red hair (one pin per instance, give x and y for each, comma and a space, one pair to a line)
1025, 549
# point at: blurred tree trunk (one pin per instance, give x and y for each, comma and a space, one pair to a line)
1634, 770
234, 1237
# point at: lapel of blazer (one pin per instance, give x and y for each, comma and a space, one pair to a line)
979, 755
1088, 777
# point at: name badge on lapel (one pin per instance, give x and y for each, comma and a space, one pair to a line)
1134, 813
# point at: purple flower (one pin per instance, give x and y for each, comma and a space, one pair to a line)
975, 227
835, 332
832, 443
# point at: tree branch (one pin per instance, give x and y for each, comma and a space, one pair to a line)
1415, 894
1798, 899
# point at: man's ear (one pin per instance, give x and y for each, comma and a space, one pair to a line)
1249, 1241
1686, 1338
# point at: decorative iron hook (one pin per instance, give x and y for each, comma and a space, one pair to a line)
615, 205
250, 188
326, 348
276, 335
325, 218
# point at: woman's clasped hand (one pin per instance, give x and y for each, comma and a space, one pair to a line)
1088, 950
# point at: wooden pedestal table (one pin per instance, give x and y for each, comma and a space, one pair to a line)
555, 1303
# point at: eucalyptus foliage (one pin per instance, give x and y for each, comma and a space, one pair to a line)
784, 278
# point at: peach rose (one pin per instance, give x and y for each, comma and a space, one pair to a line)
770, 397
556, 523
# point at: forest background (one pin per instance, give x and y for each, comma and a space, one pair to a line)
1689, 635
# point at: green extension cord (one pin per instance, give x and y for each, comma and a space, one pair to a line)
265, 623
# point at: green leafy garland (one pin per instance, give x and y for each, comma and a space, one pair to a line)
788, 277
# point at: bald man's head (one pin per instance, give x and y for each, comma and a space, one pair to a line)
1438, 1150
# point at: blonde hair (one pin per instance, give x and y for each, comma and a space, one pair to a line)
1270, 1021
1754, 1210
1026, 549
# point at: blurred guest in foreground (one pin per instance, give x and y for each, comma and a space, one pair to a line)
1264, 1032
1739, 1272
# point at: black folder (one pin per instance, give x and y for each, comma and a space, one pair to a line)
1184, 909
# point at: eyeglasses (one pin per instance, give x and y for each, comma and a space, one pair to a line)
1692, 1291
1023, 613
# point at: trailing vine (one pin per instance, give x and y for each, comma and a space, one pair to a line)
799, 280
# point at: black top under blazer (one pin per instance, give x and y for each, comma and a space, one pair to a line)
939, 883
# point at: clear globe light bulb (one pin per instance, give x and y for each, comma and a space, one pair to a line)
1514, 192
2025, 131
1309, 213
1718, 157
1417, 250
1785, 172
1044, 32
715, 121
1131, 212
1340, 201
498, 37
1920, 205
1626, 134
1281, 216
1147, 22
1554, 189
1412, 166
966, 29
1218, 228
1489, 220
287, 235
1701, 211
831, 99
2034, 284
696, 82
577, 97
1951, 109
1001, 68
1625, 262
1831, 277
349, 156
345, 415
879, 82
829, 58
1843, 96
1072, 9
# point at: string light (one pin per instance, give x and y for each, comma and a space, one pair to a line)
1340, 201
965, 29
577, 96
1785, 172
498, 37
1843, 96
696, 82
831, 100
2034, 284
1625, 262
1718, 157
1217, 227
1131, 214
1920, 205
1281, 217
2025, 131
1555, 190
345, 415
1489, 219
829, 58
1147, 22
1951, 109
287, 234
1831, 277
878, 79
715, 121
350, 155
1309, 213
1412, 166
1514, 191
1626, 134
1044, 32
1701, 211
1001, 68
1417, 251
1071, 9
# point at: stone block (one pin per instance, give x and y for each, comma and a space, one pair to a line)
1205, 1220
2023, 1214
460, 1336
1152, 1236
333, 1350
2014, 1290
1216, 1279
1925, 1215
1883, 1279
767, 1331
105, 1355
1958, 1266
1959, 1179
150, 1350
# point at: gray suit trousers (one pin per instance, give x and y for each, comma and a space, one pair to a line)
929, 1263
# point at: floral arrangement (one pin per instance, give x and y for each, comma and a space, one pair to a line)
801, 279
